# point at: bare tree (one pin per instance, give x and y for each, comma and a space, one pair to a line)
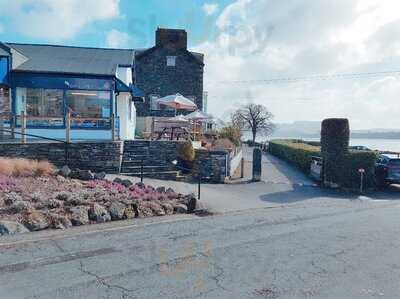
255, 118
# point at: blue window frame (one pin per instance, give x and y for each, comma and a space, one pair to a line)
90, 97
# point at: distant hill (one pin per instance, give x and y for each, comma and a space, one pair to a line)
298, 129
311, 129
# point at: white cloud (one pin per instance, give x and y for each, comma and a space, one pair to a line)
118, 39
262, 39
56, 20
210, 8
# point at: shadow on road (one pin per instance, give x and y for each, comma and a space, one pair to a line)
301, 192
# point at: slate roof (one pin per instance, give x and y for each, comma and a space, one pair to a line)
4, 52
72, 60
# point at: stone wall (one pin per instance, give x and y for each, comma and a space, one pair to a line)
154, 77
95, 156
157, 152
107, 156
213, 165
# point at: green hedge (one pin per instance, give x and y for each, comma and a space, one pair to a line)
346, 171
294, 152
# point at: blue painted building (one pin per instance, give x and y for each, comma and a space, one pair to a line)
45, 82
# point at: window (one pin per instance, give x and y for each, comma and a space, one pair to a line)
153, 102
44, 102
89, 104
40, 102
43, 107
171, 60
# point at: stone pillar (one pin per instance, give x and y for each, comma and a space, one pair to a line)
257, 163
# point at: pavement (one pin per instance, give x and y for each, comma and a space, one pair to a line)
280, 238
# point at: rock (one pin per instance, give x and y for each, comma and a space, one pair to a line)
117, 181
129, 213
79, 199
61, 179
168, 208
12, 197
79, 215
63, 196
65, 171
20, 206
36, 197
100, 175
35, 221
126, 183
180, 208
156, 208
140, 185
85, 175
59, 221
191, 203
11, 228
160, 189
144, 211
53, 203
99, 213
170, 190
117, 211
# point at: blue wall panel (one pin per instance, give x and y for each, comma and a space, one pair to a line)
3, 70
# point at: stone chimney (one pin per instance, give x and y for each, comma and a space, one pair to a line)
171, 38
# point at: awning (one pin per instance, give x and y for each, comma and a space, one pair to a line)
137, 94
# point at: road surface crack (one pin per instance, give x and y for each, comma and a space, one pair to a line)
125, 291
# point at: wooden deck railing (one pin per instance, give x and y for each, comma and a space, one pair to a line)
24, 121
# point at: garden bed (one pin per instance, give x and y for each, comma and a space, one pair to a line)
32, 203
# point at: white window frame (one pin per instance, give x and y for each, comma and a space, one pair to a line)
171, 61
154, 106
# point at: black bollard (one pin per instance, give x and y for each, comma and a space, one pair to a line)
257, 156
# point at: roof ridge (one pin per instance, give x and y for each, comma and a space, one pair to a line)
66, 46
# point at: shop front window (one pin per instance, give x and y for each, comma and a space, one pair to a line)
44, 102
89, 109
42, 107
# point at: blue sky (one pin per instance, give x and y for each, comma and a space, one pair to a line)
133, 23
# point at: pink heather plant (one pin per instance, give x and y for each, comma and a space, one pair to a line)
7, 184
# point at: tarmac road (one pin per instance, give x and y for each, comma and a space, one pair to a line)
297, 251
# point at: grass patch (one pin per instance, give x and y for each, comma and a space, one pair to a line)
18, 167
